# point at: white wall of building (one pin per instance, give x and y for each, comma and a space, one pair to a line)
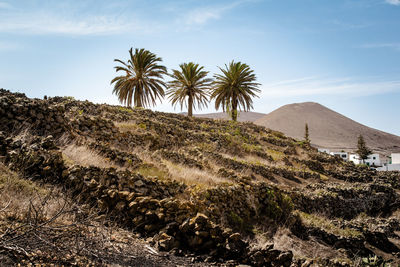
373, 160
395, 158
390, 167
354, 158
342, 155
324, 150
385, 160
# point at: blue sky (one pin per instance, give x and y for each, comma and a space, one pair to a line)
344, 54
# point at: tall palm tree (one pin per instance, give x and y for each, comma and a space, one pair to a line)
189, 83
142, 80
234, 88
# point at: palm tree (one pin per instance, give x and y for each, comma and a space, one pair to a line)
189, 83
234, 88
142, 80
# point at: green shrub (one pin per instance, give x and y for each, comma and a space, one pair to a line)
279, 134
124, 109
148, 170
374, 261
278, 205
142, 126
238, 223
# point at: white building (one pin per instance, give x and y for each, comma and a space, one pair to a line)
324, 150
385, 160
342, 155
372, 160
389, 167
395, 158
394, 164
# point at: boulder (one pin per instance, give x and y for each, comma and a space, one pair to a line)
166, 242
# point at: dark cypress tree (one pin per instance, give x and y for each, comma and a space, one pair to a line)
307, 135
363, 151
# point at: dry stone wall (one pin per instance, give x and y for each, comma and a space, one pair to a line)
210, 222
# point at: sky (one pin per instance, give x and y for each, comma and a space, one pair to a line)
344, 54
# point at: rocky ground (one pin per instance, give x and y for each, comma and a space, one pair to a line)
85, 184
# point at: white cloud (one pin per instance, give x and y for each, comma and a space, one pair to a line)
47, 23
66, 18
393, 2
203, 15
342, 86
73, 18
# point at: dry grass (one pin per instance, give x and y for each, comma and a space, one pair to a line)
311, 249
396, 214
276, 155
40, 220
325, 224
155, 166
256, 160
130, 126
145, 155
21, 199
150, 170
263, 235
39, 227
193, 176
253, 159
81, 155
11, 182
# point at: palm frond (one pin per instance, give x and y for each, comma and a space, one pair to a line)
189, 86
143, 83
235, 87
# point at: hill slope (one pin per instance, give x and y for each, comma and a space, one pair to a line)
213, 191
327, 128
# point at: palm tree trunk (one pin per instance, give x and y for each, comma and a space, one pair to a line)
234, 115
139, 103
234, 111
190, 106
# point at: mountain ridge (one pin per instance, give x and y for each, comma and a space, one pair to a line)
328, 128
243, 116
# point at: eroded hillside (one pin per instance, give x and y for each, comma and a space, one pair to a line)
215, 191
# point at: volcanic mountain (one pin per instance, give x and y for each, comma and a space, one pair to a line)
327, 128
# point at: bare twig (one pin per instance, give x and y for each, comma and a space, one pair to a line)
47, 242
10, 231
15, 248
35, 227
8, 204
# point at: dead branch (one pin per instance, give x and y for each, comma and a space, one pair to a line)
8, 204
47, 242
16, 249
35, 227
